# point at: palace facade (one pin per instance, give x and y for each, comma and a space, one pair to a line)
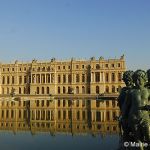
59, 77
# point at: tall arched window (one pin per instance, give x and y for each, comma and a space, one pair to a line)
97, 76
77, 90
37, 90
58, 90
64, 89
64, 78
42, 90
119, 77
69, 78
7, 79
83, 90
97, 89
83, 77
113, 77
108, 116
77, 78
107, 89
24, 90
107, 77
19, 90
48, 78
59, 78
28, 90
113, 89
3, 82
13, 80
48, 90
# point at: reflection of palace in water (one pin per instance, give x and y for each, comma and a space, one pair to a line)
76, 116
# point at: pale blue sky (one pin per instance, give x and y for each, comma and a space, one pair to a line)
43, 29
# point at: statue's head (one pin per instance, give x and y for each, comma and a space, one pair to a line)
139, 77
127, 78
148, 75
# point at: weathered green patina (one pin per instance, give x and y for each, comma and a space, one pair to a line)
134, 105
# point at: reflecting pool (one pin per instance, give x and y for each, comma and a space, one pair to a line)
59, 124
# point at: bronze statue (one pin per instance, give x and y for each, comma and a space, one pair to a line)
123, 123
140, 96
127, 78
136, 107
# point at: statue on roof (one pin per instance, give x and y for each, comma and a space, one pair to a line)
122, 57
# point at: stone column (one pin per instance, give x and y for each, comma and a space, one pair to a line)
80, 77
40, 77
116, 79
110, 75
31, 78
94, 77
104, 79
100, 80
45, 77
34, 78
91, 77
74, 78
40, 114
104, 116
66, 78
45, 114
50, 77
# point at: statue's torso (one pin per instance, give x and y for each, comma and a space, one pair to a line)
139, 98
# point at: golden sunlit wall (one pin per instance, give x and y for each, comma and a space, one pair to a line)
58, 77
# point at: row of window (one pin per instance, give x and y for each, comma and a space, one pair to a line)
11, 79
108, 89
97, 66
110, 116
67, 114
27, 68
112, 77
64, 67
63, 103
114, 104
11, 103
25, 90
60, 103
109, 77
83, 90
15, 69
65, 90
62, 114
77, 103
62, 90
46, 78
62, 126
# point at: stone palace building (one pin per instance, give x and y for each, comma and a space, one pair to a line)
59, 77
